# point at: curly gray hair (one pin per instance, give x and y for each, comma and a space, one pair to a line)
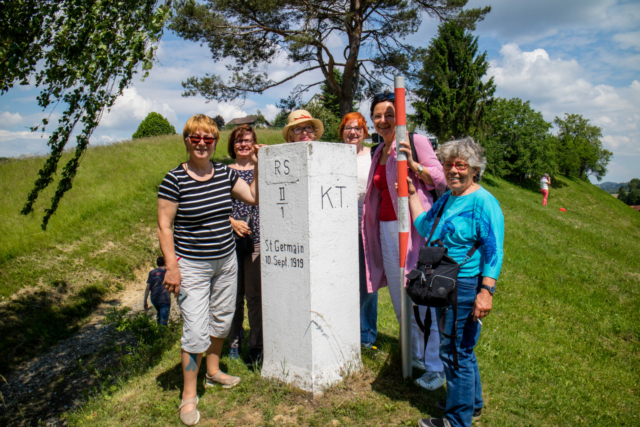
467, 149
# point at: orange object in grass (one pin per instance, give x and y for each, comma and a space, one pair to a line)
563, 210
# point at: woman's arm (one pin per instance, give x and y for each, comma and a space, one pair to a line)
248, 194
432, 173
415, 206
166, 214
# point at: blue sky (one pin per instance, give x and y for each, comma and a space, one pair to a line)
571, 56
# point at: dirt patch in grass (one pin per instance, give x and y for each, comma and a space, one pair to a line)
40, 389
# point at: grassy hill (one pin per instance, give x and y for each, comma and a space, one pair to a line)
560, 348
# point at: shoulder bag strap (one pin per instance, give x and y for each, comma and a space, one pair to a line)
436, 222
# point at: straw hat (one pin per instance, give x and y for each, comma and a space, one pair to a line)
300, 116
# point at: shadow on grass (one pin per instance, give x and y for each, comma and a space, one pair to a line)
390, 383
31, 322
172, 379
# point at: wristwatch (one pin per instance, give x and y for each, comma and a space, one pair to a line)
420, 168
491, 289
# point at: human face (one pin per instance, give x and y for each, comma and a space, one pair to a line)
458, 180
200, 150
384, 120
242, 145
353, 133
307, 132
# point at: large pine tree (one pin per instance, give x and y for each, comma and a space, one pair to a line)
451, 94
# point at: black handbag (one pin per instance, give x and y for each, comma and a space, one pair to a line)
244, 242
434, 283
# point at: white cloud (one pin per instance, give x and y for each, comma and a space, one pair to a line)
270, 112
8, 119
131, 108
556, 86
628, 40
13, 144
227, 110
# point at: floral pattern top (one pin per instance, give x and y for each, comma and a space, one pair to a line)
240, 209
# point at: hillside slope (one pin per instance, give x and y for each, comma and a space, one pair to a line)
561, 347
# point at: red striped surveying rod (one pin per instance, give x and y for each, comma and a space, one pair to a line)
403, 224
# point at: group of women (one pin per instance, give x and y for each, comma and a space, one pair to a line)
208, 226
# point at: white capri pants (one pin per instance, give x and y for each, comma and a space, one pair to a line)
390, 258
211, 300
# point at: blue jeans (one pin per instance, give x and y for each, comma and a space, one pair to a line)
162, 311
368, 305
464, 391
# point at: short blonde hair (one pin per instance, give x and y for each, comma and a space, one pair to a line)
202, 122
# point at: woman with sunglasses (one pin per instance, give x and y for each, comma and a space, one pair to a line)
302, 127
194, 204
470, 215
245, 220
380, 227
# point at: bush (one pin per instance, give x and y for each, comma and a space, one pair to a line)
219, 121
154, 125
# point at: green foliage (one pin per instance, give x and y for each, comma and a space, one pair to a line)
254, 33
219, 121
86, 53
330, 99
154, 125
516, 140
580, 151
630, 194
330, 121
451, 94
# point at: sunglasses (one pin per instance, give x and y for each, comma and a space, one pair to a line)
195, 139
243, 141
390, 96
461, 166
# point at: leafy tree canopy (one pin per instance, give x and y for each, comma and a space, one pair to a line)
451, 94
154, 125
82, 54
580, 151
219, 121
255, 33
517, 140
630, 193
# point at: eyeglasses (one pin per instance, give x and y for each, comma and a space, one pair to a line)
461, 166
390, 96
195, 139
307, 129
354, 129
243, 141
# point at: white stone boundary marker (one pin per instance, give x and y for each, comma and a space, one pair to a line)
309, 259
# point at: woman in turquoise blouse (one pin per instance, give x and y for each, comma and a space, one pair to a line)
471, 214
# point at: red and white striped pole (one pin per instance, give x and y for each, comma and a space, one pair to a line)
403, 225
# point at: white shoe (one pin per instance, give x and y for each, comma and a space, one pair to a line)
431, 380
418, 364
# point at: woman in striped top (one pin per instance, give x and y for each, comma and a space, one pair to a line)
194, 204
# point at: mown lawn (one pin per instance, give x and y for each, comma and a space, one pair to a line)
561, 347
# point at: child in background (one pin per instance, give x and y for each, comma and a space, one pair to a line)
160, 297
545, 182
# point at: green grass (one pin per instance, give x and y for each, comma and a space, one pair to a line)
560, 348
104, 230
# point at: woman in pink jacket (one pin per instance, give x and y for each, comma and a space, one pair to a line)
380, 227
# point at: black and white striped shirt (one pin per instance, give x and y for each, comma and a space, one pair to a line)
201, 229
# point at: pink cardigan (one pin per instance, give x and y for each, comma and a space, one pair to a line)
376, 278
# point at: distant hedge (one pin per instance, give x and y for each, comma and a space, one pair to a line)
154, 125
